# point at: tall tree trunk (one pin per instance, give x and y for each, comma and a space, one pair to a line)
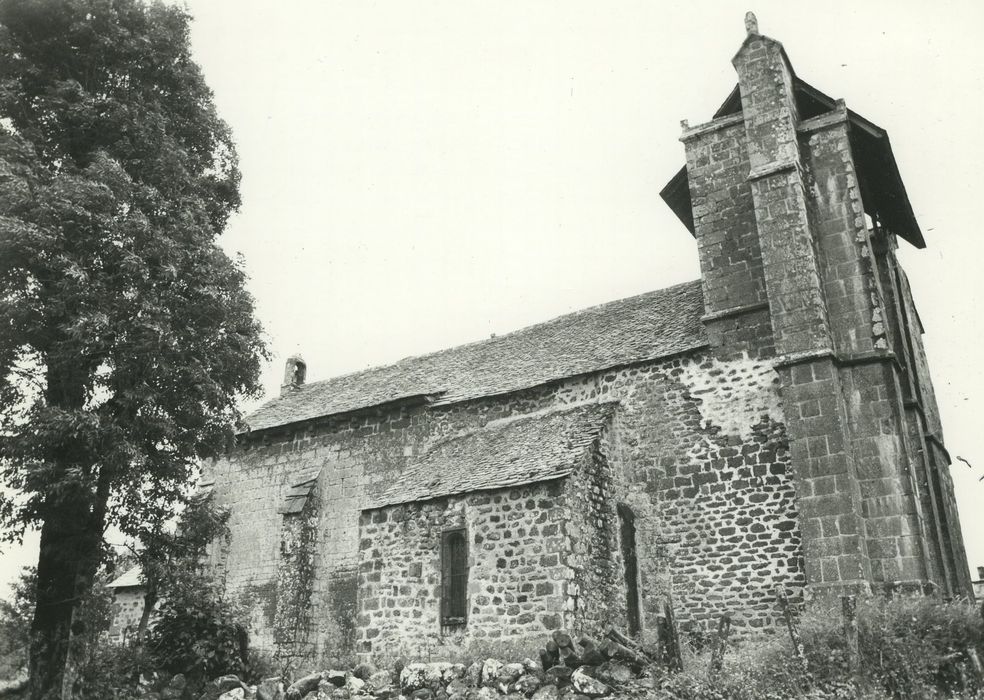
150, 601
58, 569
73, 518
71, 546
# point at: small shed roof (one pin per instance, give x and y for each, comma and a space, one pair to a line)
131, 578
510, 452
298, 494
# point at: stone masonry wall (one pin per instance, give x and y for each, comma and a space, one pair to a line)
926, 432
596, 595
677, 443
352, 452
518, 572
724, 216
128, 604
293, 625
730, 530
899, 335
860, 329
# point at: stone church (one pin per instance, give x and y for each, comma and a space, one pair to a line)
682, 452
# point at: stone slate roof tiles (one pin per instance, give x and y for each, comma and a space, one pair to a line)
297, 495
644, 327
131, 578
509, 452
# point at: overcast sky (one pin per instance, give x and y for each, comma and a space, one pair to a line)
421, 174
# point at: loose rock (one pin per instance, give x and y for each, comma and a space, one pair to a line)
380, 679
270, 689
559, 675
224, 683
587, 685
457, 689
490, 672
413, 676
475, 674
509, 673
484, 693
364, 671
614, 673
437, 672
336, 678
527, 684
302, 686
547, 692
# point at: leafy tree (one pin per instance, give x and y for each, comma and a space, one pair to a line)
15, 625
167, 557
126, 335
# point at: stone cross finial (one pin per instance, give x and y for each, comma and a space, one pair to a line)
751, 23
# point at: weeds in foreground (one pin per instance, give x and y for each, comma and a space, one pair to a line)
908, 647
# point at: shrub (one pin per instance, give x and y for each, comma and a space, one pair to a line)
198, 631
260, 664
112, 672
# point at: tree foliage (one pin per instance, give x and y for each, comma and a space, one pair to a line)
126, 333
198, 630
168, 556
15, 625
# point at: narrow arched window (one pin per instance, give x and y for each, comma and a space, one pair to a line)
454, 577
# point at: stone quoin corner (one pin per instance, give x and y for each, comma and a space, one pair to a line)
682, 452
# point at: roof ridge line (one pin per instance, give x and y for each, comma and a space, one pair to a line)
482, 341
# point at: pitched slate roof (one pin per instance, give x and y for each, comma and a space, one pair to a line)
131, 578
509, 452
644, 327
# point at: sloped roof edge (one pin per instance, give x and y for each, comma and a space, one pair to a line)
645, 327
514, 451
131, 578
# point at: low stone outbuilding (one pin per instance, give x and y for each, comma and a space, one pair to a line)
128, 604
500, 532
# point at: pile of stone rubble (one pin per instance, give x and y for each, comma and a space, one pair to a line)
615, 667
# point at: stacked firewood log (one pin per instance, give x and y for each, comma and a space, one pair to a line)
560, 651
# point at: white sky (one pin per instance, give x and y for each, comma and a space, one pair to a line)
421, 174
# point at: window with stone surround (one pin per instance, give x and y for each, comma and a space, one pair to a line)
454, 577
